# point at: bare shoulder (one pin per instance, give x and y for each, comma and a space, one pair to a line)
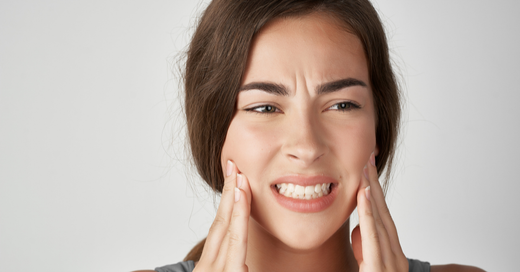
454, 268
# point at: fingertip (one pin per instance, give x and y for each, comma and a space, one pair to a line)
372, 168
360, 196
242, 182
229, 168
365, 181
363, 199
240, 177
242, 204
231, 179
237, 194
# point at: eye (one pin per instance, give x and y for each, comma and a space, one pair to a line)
345, 106
264, 109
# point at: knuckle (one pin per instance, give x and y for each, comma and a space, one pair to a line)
369, 212
236, 215
218, 222
385, 211
228, 187
374, 237
234, 239
379, 222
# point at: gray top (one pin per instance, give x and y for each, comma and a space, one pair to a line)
415, 266
178, 267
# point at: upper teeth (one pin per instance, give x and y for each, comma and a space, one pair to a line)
303, 192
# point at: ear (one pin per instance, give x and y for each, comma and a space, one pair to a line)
376, 150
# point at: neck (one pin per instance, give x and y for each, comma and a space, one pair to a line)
267, 253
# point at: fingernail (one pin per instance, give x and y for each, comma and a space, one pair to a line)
365, 171
239, 180
367, 192
237, 194
229, 168
373, 159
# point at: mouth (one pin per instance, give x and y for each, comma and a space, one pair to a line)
305, 194
296, 191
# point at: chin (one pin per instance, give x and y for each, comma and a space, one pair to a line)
303, 232
306, 243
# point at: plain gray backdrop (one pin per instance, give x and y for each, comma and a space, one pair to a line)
93, 173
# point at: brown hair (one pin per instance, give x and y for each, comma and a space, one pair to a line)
216, 60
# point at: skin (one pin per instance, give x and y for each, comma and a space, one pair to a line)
304, 136
303, 133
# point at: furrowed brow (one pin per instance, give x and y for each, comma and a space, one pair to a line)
271, 88
338, 85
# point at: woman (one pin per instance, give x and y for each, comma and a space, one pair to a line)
293, 112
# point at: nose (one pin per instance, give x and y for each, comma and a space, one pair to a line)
304, 142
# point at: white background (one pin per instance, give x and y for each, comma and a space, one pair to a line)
92, 171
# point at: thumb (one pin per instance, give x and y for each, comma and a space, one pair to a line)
356, 245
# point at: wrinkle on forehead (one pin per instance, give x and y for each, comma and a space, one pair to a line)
317, 39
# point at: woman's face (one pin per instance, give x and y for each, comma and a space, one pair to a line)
304, 117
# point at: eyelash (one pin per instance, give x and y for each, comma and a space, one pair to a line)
253, 109
351, 106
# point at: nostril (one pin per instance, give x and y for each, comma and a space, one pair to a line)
305, 155
293, 156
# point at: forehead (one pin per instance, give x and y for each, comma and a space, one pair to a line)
315, 46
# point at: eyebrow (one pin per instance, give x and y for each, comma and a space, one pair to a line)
279, 89
271, 88
338, 85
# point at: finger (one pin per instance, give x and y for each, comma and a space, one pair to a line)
382, 207
237, 234
371, 249
384, 242
243, 182
357, 246
220, 225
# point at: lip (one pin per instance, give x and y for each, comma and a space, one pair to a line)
303, 205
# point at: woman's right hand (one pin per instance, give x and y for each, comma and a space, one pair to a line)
226, 245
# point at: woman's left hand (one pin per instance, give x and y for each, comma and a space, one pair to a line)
374, 241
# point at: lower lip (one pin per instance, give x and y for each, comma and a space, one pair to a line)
306, 206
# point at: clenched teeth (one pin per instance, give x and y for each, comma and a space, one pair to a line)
303, 192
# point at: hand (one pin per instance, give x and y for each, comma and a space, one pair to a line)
226, 244
374, 241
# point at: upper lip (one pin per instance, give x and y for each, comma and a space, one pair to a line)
304, 180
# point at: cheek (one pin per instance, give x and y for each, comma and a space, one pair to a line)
352, 145
250, 146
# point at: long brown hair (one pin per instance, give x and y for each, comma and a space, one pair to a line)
216, 60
